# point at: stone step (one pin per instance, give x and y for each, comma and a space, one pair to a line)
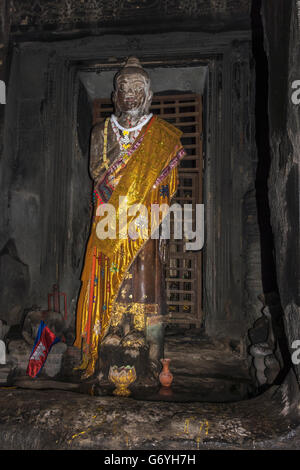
3, 380
5, 371
202, 357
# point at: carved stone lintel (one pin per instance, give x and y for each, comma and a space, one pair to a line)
44, 12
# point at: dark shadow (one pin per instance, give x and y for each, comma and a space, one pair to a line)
268, 262
263, 150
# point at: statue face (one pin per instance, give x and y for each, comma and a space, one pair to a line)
131, 92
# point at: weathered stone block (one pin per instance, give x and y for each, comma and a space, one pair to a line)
53, 364
260, 331
272, 368
260, 350
19, 353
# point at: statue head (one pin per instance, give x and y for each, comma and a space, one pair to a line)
132, 92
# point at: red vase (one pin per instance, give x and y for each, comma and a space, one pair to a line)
165, 377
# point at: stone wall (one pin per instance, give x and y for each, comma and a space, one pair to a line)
4, 42
282, 36
45, 196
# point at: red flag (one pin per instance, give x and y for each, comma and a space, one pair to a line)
43, 342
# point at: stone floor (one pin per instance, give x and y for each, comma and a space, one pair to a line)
54, 419
209, 407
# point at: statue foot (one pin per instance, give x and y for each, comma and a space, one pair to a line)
113, 338
87, 374
83, 365
135, 339
90, 370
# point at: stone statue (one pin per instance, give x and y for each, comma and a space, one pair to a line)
133, 160
32, 321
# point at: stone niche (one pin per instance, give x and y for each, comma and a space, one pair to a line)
46, 160
47, 189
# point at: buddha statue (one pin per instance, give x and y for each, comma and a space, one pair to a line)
134, 159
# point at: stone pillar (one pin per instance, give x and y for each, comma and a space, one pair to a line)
281, 21
4, 39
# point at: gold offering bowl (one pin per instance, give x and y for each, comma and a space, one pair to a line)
122, 377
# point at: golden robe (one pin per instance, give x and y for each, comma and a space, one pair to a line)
146, 175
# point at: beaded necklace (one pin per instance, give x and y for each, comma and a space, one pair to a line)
142, 121
128, 135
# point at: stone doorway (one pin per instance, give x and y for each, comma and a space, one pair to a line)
203, 366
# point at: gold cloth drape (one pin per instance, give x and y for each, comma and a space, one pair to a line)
148, 177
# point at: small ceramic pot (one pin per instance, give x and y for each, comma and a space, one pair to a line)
165, 377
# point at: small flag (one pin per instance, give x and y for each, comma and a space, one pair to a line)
43, 343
